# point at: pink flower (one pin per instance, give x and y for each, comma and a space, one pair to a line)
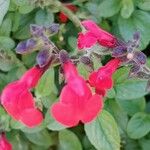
32, 76
18, 101
76, 100
4, 144
93, 35
102, 78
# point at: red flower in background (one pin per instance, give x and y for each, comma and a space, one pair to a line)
76, 100
18, 101
62, 17
4, 144
102, 78
93, 35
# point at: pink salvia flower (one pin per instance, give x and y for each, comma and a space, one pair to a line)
32, 76
102, 78
93, 35
18, 101
76, 100
4, 144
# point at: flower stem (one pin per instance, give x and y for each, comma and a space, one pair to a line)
68, 12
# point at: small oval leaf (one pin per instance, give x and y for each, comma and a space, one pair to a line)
139, 125
103, 132
4, 5
69, 141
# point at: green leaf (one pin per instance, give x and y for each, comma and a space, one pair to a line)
118, 113
111, 93
4, 120
6, 42
6, 27
20, 2
47, 101
26, 9
83, 70
37, 147
17, 140
72, 42
42, 138
93, 8
12, 6
69, 141
4, 5
103, 132
131, 144
16, 21
133, 106
3, 81
7, 60
29, 59
130, 89
148, 107
33, 130
109, 8
23, 6
46, 84
138, 125
86, 144
121, 75
127, 8
15, 73
139, 21
44, 17
23, 31
14, 124
145, 144
144, 4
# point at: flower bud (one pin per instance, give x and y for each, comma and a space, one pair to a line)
26, 46
36, 30
85, 60
134, 70
52, 29
43, 58
64, 56
119, 51
140, 57
142, 75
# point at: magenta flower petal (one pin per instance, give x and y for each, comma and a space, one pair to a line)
93, 106
31, 117
32, 76
69, 98
101, 92
65, 114
19, 102
76, 100
10, 98
102, 78
86, 40
93, 35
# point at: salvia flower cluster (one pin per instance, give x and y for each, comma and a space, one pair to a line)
81, 100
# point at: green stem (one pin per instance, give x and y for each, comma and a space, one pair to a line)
68, 12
